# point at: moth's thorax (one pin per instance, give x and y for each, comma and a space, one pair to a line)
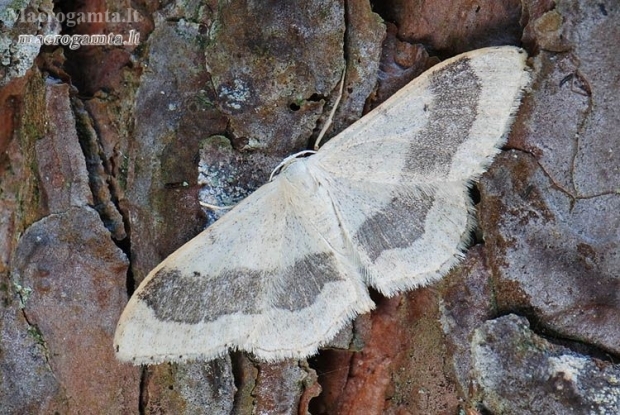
298, 174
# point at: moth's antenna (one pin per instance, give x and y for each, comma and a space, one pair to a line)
215, 207
328, 123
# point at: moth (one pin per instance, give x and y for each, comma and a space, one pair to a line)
384, 204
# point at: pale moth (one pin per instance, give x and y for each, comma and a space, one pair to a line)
383, 204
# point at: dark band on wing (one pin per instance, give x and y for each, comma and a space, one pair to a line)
197, 298
398, 225
304, 281
456, 91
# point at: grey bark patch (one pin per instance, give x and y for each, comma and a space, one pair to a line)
561, 380
456, 91
197, 298
397, 226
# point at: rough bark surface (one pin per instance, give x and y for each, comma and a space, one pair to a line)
105, 152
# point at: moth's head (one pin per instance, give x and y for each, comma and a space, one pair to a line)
293, 168
295, 159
